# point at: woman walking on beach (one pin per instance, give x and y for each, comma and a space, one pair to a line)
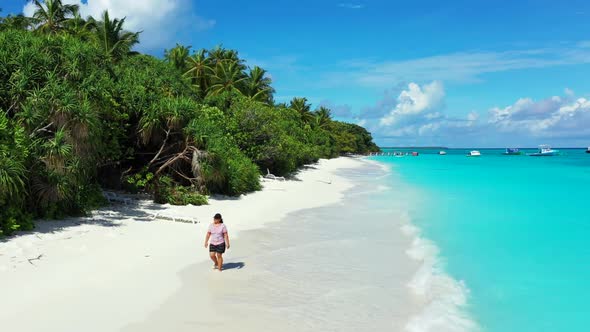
219, 241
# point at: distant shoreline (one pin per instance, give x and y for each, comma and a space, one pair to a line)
467, 148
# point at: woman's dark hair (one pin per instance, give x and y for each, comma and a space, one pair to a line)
217, 216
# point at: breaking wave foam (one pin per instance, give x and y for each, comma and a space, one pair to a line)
444, 298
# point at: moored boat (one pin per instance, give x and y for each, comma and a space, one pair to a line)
588, 150
544, 151
512, 152
442, 153
474, 153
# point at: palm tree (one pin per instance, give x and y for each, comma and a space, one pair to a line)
217, 54
52, 15
199, 70
115, 41
178, 57
220, 54
227, 77
79, 27
323, 116
303, 108
257, 86
19, 22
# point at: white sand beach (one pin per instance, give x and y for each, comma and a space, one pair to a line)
122, 270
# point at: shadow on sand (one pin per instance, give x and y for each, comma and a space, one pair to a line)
232, 266
107, 216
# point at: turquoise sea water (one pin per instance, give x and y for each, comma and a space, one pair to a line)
514, 229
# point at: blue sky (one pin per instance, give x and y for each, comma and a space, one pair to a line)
452, 73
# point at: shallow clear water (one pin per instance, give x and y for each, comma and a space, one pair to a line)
515, 229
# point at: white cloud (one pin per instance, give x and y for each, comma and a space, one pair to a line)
160, 20
563, 117
552, 117
465, 67
415, 100
428, 128
566, 118
351, 6
423, 120
29, 9
432, 116
418, 114
501, 115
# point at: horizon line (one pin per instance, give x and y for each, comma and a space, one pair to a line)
462, 148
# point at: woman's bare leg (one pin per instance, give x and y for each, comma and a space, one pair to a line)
213, 258
219, 261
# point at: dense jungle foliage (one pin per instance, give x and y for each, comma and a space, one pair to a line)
80, 111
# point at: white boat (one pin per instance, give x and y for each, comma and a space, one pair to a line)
544, 151
442, 153
588, 150
474, 153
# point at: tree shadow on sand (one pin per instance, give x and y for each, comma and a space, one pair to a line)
107, 216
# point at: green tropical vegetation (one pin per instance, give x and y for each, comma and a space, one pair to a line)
80, 111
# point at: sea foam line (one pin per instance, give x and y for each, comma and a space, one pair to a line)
444, 297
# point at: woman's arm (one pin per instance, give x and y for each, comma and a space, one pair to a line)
207, 238
226, 237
